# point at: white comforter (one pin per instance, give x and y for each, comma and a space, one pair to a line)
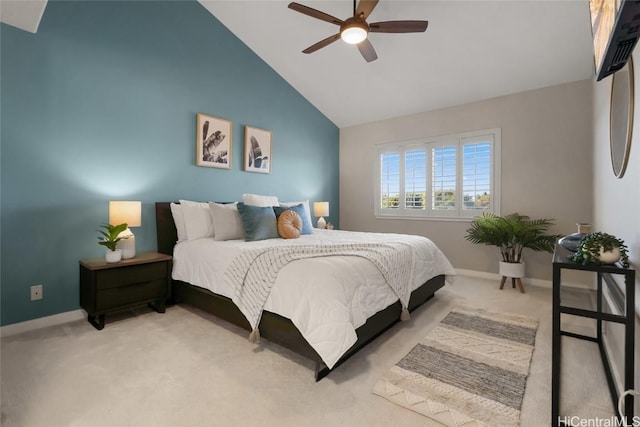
326, 298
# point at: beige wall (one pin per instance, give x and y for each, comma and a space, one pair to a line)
616, 207
617, 201
546, 167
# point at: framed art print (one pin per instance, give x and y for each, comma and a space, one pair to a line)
258, 153
213, 142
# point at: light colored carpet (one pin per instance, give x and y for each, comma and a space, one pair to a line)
186, 368
470, 370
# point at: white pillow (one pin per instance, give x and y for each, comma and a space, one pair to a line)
304, 203
191, 203
261, 201
197, 219
226, 221
178, 219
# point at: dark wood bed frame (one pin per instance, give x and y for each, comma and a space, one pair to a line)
274, 327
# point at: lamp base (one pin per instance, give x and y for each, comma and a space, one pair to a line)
127, 244
322, 223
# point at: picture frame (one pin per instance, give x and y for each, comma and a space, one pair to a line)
214, 142
258, 150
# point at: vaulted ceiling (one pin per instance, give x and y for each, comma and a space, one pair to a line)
472, 50
23, 14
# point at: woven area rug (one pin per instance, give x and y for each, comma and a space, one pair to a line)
471, 370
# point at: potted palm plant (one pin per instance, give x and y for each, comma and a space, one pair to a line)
512, 233
110, 238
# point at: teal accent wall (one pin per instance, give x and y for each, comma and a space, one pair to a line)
101, 105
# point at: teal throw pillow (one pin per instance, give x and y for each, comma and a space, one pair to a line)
259, 222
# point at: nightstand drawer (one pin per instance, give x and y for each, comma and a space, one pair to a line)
129, 294
117, 277
107, 288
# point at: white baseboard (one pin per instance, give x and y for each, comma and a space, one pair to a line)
70, 316
42, 322
525, 280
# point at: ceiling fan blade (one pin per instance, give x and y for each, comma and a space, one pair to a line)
365, 7
322, 43
315, 13
366, 49
399, 27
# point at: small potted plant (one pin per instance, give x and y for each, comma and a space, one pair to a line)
601, 248
110, 238
512, 233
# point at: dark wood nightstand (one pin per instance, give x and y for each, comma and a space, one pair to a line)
107, 288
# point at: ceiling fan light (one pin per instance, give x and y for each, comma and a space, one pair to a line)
353, 35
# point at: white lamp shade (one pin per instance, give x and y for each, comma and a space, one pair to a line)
121, 212
321, 208
353, 35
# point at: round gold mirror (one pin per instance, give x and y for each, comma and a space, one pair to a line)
621, 118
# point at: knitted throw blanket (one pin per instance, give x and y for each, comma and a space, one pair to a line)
253, 273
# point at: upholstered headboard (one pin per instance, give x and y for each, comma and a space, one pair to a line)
165, 228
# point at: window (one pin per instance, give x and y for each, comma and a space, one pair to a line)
454, 176
390, 180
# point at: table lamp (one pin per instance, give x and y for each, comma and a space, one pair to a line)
321, 209
130, 213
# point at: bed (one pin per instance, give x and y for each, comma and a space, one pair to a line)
201, 290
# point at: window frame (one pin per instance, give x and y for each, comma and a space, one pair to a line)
427, 144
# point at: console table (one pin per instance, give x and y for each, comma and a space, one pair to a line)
561, 260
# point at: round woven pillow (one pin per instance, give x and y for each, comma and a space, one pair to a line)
289, 225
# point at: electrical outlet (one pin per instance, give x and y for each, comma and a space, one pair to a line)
36, 292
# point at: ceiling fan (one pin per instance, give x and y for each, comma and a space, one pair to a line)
354, 30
